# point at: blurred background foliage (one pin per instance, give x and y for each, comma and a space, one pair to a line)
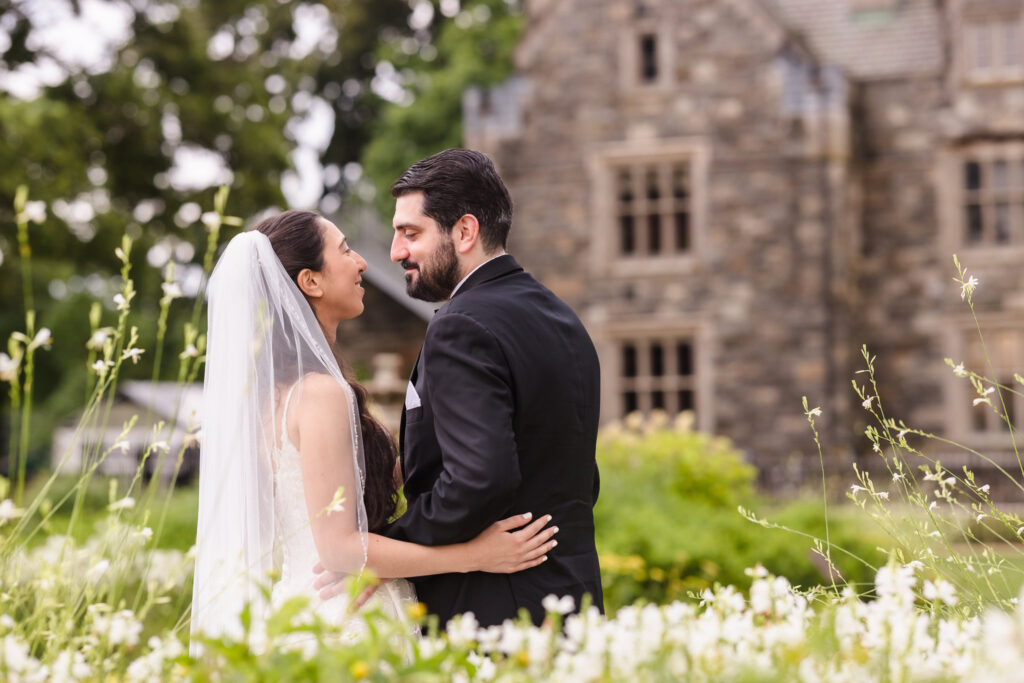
667, 520
263, 95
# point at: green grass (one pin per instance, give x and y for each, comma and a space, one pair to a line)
179, 526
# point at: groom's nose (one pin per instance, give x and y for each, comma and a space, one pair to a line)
399, 252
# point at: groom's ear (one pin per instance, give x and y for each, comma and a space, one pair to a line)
466, 233
310, 284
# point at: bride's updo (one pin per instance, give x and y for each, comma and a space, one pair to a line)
298, 241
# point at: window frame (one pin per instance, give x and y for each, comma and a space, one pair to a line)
990, 19
961, 414
954, 197
605, 165
611, 339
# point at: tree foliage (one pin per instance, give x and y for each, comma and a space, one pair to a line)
228, 81
472, 48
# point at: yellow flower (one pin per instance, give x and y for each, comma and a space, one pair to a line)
359, 670
417, 611
523, 658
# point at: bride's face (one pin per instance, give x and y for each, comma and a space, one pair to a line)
341, 278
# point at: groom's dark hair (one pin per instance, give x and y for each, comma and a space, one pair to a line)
457, 182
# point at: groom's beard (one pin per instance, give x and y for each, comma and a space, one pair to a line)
437, 276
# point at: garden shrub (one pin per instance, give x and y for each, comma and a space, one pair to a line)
667, 520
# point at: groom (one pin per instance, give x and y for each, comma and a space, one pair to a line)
501, 410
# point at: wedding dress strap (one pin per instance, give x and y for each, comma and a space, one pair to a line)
284, 414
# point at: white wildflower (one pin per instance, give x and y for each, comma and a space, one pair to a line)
146, 533
8, 368
119, 253
211, 219
940, 590
866, 403
120, 302
15, 654
35, 212
757, 571
43, 338
959, 370
132, 353
967, 286
884, 495
8, 511
855, 489
172, 290
981, 516
897, 476
96, 572
161, 446
562, 605
100, 367
814, 412
99, 338
70, 666
120, 628
123, 445
126, 503
190, 352
984, 488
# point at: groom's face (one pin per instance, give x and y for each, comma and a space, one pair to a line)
425, 252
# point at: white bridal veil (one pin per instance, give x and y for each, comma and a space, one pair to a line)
262, 338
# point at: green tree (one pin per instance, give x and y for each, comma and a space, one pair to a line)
472, 48
224, 81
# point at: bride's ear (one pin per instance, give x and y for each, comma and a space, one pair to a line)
309, 282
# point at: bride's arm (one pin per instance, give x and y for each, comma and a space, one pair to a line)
322, 425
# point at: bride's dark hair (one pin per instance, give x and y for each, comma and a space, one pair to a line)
298, 241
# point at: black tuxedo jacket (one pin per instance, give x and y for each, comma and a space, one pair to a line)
508, 384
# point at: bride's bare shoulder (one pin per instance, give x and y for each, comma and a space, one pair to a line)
319, 389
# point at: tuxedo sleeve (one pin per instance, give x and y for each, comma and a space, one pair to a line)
470, 391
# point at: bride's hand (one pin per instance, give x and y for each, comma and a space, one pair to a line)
500, 549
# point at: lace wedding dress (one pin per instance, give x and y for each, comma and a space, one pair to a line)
296, 554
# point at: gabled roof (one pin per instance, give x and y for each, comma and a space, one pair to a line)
904, 39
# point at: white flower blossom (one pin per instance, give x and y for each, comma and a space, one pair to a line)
35, 212
8, 511
190, 352
96, 572
959, 370
866, 403
161, 446
814, 412
126, 503
100, 367
940, 590
132, 353
967, 286
8, 368
172, 290
563, 605
99, 338
211, 219
120, 302
43, 338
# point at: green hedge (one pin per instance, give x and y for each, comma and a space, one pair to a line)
667, 520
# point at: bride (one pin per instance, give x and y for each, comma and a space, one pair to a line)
294, 469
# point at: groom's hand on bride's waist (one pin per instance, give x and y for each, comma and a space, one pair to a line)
330, 584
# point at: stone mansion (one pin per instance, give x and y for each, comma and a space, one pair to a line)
735, 195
